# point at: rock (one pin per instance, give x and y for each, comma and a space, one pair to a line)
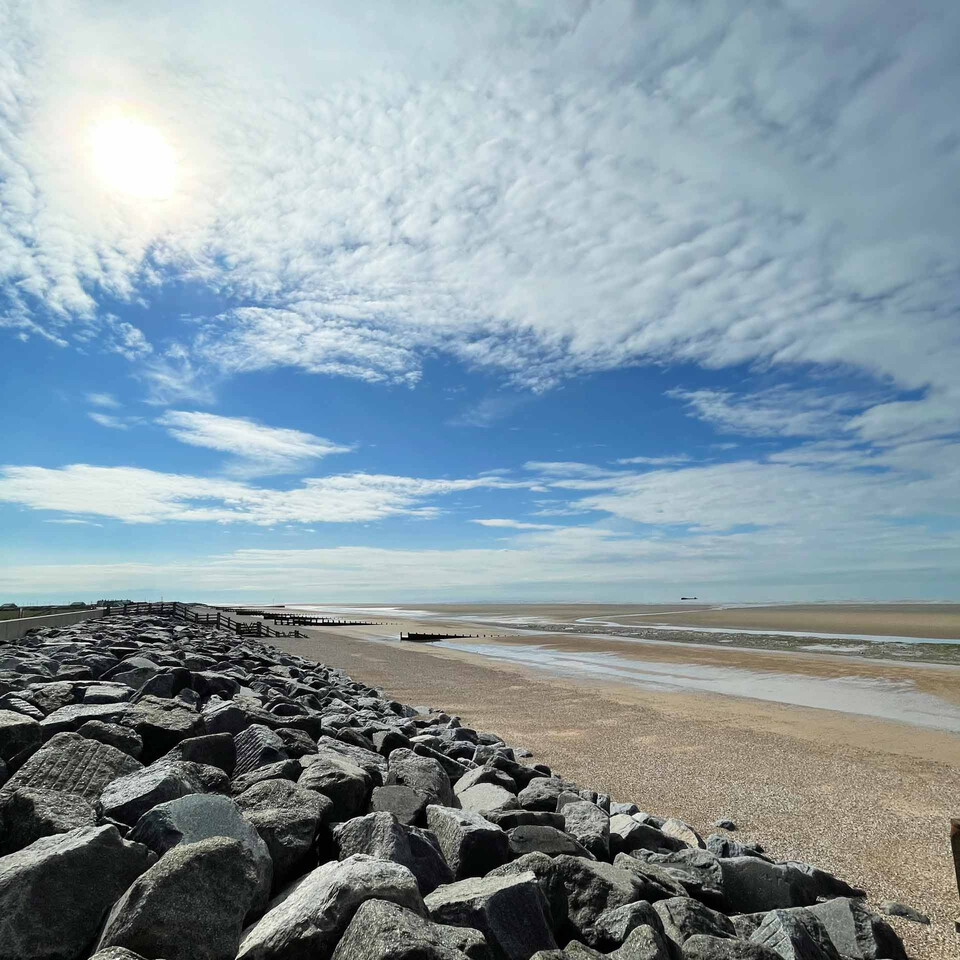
212, 749
116, 953
287, 817
612, 927
656, 882
310, 920
471, 845
628, 834
541, 794
17, 732
702, 947
508, 819
546, 840
644, 943
724, 823
795, 935
508, 911
289, 770
338, 778
697, 871
72, 716
404, 803
684, 917
485, 797
158, 915
485, 774
365, 757
257, 746
4, 773
588, 825
383, 931
162, 724
893, 909
751, 885
679, 830
50, 907
424, 775
27, 815
429, 867
128, 798
123, 738
857, 932
723, 846
106, 693
197, 817
69, 763
377, 835
592, 887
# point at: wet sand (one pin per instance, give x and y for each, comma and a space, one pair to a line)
868, 799
905, 620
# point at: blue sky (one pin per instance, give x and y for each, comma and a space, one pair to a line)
604, 300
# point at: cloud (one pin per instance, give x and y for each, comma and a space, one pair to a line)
634, 185
259, 449
108, 420
778, 411
488, 411
103, 400
515, 524
136, 495
654, 461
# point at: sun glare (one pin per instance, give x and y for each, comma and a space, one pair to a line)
132, 157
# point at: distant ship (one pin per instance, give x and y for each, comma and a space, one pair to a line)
688, 598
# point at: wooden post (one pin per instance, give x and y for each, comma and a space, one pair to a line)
955, 844
218, 619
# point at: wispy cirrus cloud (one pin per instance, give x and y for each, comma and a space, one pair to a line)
257, 449
108, 420
107, 400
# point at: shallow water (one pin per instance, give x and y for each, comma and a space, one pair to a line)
865, 637
869, 696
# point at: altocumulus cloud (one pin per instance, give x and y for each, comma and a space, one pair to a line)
637, 182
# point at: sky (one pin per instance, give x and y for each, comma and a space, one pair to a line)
505, 300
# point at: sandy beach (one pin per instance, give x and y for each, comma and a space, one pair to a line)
867, 798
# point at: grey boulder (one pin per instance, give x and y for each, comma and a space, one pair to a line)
17, 732
199, 817
508, 911
190, 905
287, 817
471, 845
684, 917
27, 815
384, 931
424, 775
332, 774
69, 763
308, 922
129, 798
54, 893
589, 826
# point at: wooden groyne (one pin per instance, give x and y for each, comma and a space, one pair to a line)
430, 637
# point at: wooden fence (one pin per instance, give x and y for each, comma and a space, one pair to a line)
180, 611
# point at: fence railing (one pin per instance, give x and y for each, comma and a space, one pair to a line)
180, 611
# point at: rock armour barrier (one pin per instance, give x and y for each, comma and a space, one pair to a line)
175, 792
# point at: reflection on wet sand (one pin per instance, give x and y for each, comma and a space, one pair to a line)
886, 697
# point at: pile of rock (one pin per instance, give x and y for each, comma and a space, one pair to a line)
173, 792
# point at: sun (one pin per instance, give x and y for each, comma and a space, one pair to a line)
133, 158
